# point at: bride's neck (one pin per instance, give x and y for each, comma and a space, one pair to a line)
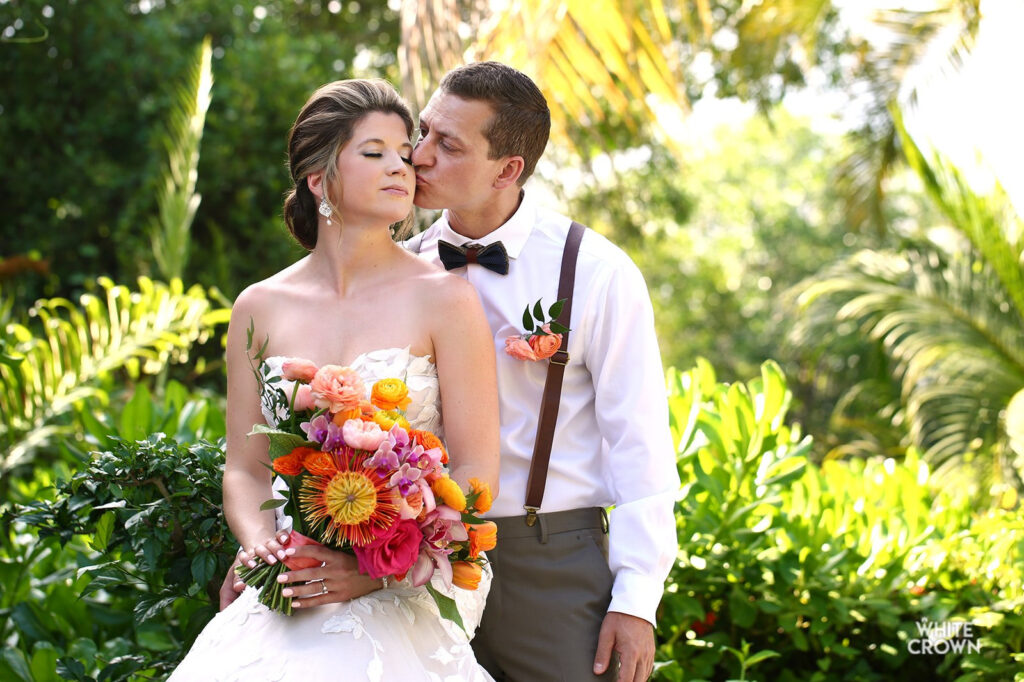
350, 257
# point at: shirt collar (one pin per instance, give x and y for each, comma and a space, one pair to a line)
512, 234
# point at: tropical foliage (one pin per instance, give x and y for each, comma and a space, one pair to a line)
789, 570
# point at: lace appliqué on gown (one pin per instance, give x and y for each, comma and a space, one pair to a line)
389, 635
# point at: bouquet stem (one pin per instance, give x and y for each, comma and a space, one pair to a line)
264, 578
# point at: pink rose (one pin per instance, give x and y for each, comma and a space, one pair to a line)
362, 435
545, 346
519, 349
298, 369
304, 398
393, 553
337, 388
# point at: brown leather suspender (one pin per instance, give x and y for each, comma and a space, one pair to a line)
553, 383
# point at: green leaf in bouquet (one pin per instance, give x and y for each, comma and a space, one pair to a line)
446, 606
273, 504
557, 328
281, 442
472, 519
538, 311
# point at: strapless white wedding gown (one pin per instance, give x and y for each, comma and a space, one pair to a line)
393, 635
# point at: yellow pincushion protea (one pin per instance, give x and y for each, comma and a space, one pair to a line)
450, 493
390, 394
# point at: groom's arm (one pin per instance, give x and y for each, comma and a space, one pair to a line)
639, 463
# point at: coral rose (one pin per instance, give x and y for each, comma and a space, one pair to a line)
483, 495
298, 369
450, 493
544, 346
482, 537
390, 394
297, 563
392, 553
466, 575
519, 349
320, 464
337, 388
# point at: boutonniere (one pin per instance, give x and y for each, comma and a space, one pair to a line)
543, 335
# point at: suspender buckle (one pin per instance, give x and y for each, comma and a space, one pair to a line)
561, 357
531, 515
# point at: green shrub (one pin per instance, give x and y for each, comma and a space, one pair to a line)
793, 571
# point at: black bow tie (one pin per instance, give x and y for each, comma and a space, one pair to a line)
493, 256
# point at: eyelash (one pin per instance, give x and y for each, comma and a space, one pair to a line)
378, 155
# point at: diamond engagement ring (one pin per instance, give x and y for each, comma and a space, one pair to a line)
324, 590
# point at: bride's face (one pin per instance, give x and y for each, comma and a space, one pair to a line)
375, 171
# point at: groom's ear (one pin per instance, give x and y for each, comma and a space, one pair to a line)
510, 172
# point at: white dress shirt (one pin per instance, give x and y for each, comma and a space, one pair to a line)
612, 444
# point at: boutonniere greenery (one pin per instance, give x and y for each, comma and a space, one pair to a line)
543, 335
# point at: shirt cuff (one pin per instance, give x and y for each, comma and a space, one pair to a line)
636, 595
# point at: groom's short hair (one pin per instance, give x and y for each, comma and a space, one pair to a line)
522, 121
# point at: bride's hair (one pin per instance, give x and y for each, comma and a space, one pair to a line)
321, 129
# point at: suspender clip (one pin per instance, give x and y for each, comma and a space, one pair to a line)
531, 515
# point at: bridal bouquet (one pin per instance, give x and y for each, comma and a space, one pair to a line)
360, 479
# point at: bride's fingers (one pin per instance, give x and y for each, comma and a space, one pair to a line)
305, 591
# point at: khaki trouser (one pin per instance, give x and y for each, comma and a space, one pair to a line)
551, 590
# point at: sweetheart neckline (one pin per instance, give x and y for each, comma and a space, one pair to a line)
370, 352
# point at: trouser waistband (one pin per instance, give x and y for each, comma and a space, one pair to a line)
552, 522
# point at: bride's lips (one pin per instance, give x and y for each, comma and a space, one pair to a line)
398, 190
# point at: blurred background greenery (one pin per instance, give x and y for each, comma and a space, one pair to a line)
766, 165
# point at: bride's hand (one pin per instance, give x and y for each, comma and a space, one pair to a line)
270, 551
336, 581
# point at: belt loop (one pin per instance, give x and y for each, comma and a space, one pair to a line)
543, 528
604, 520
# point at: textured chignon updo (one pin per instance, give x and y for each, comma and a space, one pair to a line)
321, 129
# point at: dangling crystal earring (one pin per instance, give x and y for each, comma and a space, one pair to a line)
325, 209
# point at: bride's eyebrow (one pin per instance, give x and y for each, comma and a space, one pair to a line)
377, 140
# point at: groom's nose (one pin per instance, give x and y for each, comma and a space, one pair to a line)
422, 154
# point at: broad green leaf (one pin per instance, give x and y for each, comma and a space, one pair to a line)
104, 528
446, 606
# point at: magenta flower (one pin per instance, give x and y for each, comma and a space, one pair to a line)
405, 479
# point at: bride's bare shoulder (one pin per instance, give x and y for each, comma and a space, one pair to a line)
282, 289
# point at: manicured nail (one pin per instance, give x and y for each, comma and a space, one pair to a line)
271, 560
283, 578
599, 668
289, 551
280, 554
283, 538
287, 592
296, 605
252, 563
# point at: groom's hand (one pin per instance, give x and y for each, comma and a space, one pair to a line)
232, 585
632, 639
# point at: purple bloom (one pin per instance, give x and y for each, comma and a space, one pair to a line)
316, 430
405, 479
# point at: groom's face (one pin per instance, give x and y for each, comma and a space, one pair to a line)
452, 168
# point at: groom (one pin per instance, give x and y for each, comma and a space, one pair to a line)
564, 597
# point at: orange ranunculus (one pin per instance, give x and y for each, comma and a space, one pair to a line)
388, 418
340, 418
291, 464
466, 575
544, 346
337, 388
320, 463
483, 498
482, 537
390, 394
450, 493
429, 441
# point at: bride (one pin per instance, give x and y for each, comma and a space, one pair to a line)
358, 299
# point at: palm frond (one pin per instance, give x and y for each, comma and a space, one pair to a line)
581, 53
48, 367
177, 199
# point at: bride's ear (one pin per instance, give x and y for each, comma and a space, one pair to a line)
315, 182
